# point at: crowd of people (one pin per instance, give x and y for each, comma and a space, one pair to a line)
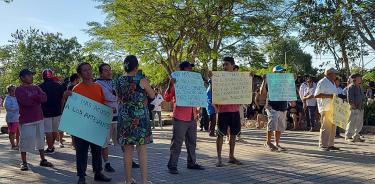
34, 111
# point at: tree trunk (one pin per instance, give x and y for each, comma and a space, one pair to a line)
345, 58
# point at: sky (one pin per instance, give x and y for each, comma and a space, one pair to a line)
70, 18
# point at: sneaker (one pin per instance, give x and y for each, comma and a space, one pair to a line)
108, 168
81, 180
173, 170
101, 177
61, 145
135, 165
49, 151
324, 149
311, 129
24, 167
195, 167
45, 163
334, 148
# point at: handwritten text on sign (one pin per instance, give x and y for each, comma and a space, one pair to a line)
190, 90
232, 88
86, 119
339, 112
281, 87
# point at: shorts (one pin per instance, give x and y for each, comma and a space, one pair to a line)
112, 134
32, 136
276, 120
13, 127
51, 124
231, 120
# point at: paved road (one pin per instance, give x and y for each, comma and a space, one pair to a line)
302, 163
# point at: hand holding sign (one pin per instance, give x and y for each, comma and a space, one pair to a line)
189, 88
86, 119
281, 87
232, 88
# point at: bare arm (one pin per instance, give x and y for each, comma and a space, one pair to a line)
149, 91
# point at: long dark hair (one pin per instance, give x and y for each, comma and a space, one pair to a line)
130, 63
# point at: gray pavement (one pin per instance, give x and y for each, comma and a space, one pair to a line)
301, 163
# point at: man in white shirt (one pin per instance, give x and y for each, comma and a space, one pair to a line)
157, 110
324, 92
310, 103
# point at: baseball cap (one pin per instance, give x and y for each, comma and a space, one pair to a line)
25, 72
47, 73
185, 64
278, 68
330, 70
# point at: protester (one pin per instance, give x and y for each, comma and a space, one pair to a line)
228, 117
105, 81
12, 117
88, 88
157, 109
260, 102
324, 92
184, 127
51, 109
30, 99
276, 112
310, 103
134, 123
356, 99
211, 110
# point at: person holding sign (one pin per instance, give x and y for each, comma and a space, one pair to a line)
184, 127
88, 88
228, 117
134, 126
356, 98
30, 98
324, 92
276, 113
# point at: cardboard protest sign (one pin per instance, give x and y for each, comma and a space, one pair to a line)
190, 90
339, 112
281, 87
232, 88
86, 119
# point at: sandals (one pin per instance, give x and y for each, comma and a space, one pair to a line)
234, 161
270, 147
45, 163
219, 164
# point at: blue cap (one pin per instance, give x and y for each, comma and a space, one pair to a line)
185, 64
278, 68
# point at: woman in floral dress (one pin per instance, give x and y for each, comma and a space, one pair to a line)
134, 127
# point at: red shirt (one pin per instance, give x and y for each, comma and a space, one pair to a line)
228, 108
179, 112
30, 99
